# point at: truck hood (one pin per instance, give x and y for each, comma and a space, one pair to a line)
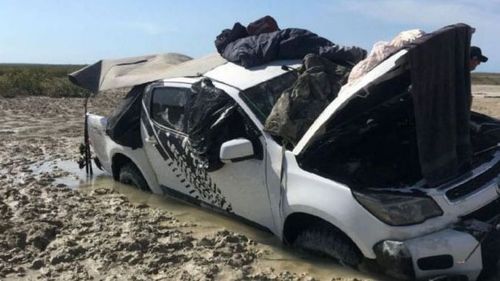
346, 97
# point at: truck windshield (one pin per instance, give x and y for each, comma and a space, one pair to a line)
261, 98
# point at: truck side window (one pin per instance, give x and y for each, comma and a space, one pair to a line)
168, 107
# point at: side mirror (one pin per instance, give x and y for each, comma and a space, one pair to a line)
236, 150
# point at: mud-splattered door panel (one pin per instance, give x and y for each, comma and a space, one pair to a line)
164, 121
238, 188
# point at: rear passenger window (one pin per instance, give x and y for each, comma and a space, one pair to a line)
168, 107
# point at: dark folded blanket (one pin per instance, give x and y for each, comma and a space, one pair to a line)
441, 93
290, 43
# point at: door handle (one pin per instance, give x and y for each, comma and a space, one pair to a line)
151, 140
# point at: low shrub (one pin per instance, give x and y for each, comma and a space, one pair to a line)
42, 81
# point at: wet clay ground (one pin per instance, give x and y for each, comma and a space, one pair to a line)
51, 230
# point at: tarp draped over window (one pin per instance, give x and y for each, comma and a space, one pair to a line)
123, 124
213, 118
210, 112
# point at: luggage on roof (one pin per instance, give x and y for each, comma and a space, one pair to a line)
239, 46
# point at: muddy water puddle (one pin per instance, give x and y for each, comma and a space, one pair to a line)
206, 222
67, 171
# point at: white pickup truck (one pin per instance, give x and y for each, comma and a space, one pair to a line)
410, 229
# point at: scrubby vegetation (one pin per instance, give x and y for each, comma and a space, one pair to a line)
51, 80
38, 80
483, 78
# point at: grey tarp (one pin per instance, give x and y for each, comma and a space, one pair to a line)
196, 67
110, 74
126, 72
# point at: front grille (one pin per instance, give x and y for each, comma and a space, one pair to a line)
473, 184
486, 213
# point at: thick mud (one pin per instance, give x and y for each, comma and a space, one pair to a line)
57, 225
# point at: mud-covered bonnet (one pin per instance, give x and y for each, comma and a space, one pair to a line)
126, 72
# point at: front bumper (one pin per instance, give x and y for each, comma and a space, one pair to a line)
449, 252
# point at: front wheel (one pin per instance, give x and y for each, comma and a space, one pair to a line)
130, 174
328, 241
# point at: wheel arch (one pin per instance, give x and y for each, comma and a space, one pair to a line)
117, 162
119, 158
299, 221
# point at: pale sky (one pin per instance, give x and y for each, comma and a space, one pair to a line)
84, 31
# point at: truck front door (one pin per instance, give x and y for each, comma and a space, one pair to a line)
238, 188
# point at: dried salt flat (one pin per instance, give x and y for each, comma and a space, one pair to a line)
486, 91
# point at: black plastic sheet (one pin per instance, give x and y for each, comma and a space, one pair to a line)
124, 123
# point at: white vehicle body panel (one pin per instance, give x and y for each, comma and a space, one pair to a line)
106, 148
244, 78
167, 171
445, 242
310, 193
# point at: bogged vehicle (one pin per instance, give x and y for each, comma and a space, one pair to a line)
360, 184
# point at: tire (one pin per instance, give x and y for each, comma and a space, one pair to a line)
130, 174
327, 241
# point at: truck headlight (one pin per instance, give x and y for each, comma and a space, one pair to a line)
399, 209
